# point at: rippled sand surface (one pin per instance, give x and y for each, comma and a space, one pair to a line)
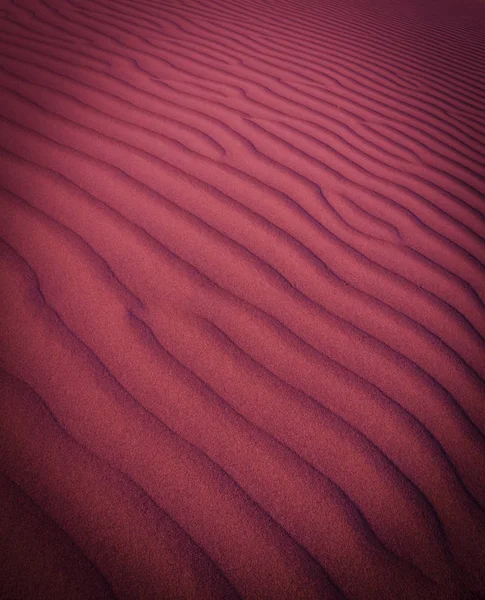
242, 283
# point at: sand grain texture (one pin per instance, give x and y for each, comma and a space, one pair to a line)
242, 319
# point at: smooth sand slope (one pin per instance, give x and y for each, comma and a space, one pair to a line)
242, 321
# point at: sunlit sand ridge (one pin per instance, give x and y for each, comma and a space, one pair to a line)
242, 299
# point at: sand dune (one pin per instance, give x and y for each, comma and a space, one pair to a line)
242, 266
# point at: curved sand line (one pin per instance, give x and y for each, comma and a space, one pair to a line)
242, 255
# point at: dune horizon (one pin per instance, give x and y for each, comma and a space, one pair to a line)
242, 286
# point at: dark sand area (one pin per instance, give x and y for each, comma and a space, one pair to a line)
242, 286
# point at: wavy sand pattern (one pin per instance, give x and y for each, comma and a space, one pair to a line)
242, 301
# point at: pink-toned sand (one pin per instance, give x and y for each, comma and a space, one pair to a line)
242, 299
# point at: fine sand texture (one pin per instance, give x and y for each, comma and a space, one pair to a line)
242, 286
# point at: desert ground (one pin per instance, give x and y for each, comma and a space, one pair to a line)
242, 285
